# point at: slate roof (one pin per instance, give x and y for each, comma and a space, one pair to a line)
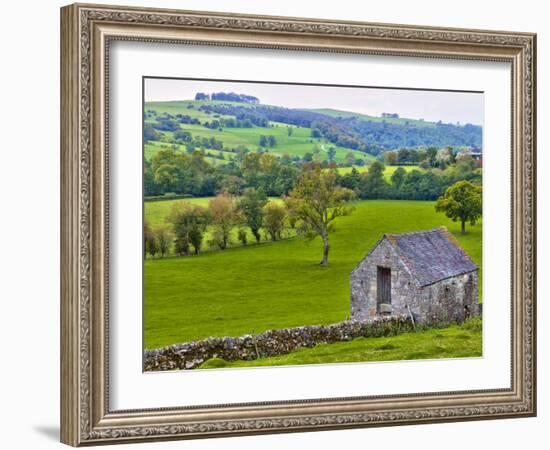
431, 255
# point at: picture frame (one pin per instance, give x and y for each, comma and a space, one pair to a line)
87, 32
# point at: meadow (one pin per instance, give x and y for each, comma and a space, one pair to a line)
388, 170
246, 290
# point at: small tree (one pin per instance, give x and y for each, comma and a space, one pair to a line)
251, 206
317, 200
461, 202
151, 244
271, 141
242, 236
263, 141
331, 153
224, 218
164, 237
274, 221
398, 177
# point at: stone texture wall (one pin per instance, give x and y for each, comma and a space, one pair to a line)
363, 283
451, 300
191, 355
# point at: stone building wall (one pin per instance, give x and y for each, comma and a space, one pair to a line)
450, 300
363, 283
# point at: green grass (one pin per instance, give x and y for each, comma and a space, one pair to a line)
298, 144
275, 285
456, 341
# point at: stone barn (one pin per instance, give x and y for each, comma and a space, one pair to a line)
425, 274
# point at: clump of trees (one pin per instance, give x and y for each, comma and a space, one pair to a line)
317, 200
461, 202
156, 240
189, 223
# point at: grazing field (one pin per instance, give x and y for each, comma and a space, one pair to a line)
251, 289
456, 341
399, 120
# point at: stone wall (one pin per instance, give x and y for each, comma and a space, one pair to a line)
191, 355
363, 287
450, 300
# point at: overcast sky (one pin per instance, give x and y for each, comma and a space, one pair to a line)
449, 107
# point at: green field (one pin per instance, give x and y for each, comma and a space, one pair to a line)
456, 341
298, 144
251, 289
388, 171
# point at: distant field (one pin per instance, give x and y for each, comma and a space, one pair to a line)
251, 289
298, 144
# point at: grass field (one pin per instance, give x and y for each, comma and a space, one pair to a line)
275, 285
298, 144
456, 341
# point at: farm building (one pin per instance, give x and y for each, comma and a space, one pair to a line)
425, 274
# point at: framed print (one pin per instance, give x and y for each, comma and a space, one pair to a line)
280, 224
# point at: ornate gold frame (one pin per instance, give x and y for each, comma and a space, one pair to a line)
86, 31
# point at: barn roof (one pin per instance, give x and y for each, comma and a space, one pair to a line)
431, 255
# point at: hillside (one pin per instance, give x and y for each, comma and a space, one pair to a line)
299, 133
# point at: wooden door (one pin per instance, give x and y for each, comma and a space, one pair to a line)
384, 286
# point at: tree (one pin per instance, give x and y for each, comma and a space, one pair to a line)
251, 205
147, 233
331, 153
317, 200
374, 184
390, 158
350, 158
274, 219
224, 218
271, 141
289, 131
398, 177
189, 223
461, 202
163, 237
263, 141
151, 244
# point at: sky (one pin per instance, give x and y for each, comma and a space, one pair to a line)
449, 107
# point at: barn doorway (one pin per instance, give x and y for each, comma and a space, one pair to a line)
383, 301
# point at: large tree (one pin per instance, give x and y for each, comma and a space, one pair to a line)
251, 205
461, 202
317, 200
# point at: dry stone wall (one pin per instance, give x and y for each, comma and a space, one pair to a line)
191, 355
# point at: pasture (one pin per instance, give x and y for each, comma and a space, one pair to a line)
245, 290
